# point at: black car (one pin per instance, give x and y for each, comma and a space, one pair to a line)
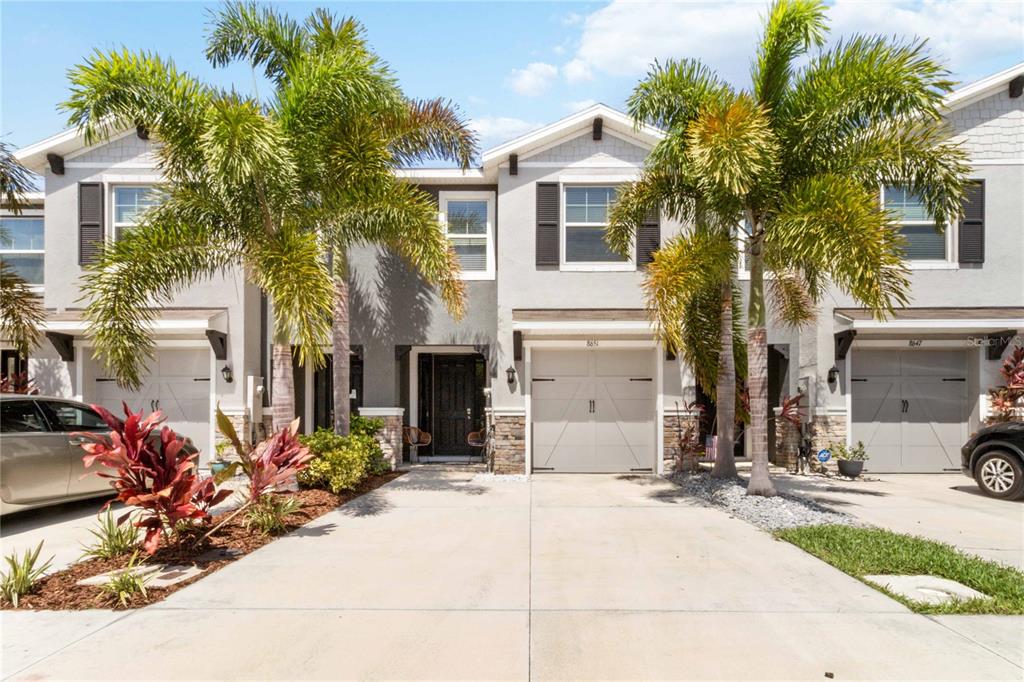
994, 457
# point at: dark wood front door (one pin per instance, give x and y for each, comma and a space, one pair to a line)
455, 389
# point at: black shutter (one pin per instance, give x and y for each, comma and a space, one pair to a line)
648, 238
90, 222
547, 223
972, 225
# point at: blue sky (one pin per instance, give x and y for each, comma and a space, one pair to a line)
510, 66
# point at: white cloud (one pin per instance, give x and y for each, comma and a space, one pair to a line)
624, 38
533, 80
577, 70
494, 130
580, 105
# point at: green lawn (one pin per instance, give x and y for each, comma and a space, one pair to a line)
873, 551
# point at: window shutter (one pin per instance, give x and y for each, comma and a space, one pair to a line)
90, 222
972, 225
547, 223
648, 238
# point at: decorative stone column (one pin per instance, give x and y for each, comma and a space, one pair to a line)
509, 442
676, 428
829, 429
787, 442
390, 437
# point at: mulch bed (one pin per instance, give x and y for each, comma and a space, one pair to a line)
60, 591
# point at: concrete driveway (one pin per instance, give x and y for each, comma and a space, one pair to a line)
944, 507
443, 575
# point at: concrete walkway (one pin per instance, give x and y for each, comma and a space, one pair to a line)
945, 507
440, 575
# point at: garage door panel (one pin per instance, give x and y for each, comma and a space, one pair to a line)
915, 419
875, 363
599, 421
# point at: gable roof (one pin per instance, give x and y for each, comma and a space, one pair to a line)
983, 88
576, 123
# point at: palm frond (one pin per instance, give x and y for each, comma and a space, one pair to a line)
15, 180
432, 129
254, 33
139, 272
791, 28
792, 298
674, 93
732, 147
290, 266
832, 223
21, 311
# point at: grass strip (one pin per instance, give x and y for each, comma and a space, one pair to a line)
874, 551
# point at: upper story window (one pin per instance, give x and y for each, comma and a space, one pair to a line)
468, 220
924, 241
585, 220
130, 202
21, 246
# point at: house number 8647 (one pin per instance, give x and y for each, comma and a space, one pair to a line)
592, 343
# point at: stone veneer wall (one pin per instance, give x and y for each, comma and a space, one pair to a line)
787, 442
673, 425
509, 444
390, 439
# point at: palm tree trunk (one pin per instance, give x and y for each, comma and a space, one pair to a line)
725, 462
341, 344
282, 384
757, 372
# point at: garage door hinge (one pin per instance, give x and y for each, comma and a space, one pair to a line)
641, 379
954, 379
539, 379
642, 469
543, 468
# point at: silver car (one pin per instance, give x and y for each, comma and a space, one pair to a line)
40, 461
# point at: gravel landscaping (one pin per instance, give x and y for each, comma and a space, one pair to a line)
770, 513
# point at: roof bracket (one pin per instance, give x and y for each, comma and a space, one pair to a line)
844, 340
219, 343
64, 344
513, 164
1017, 87
401, 350
997, 343
598, 125
56, 162
142, 132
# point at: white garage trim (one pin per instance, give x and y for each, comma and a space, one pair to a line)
659, 418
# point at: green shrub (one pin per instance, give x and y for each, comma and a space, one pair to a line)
125, 584
22, 575
111, 539
268, 513
342, 462
365, 426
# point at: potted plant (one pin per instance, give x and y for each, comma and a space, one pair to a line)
219, 462
850, 459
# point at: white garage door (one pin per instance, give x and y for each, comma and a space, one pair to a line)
593, 410
910, 409
177, 384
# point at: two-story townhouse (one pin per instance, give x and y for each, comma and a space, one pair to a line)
556, 345
913, 387
23, 250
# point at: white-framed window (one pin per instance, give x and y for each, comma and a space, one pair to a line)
926, 246
468, 221
129, 202
584, 221
22, 246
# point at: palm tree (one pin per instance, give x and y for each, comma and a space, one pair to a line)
799, 160
254, 184
359, 147
21, 310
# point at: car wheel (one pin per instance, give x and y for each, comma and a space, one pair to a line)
1000, 474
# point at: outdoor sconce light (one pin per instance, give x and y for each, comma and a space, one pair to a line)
510, 375
833, 377
228, 375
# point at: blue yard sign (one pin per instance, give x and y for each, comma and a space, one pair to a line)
824, 455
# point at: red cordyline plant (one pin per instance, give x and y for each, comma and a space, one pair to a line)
17, 383
153, 474
791, 409
1006, 399
275, 460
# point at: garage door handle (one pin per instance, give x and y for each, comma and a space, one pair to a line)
906, 405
